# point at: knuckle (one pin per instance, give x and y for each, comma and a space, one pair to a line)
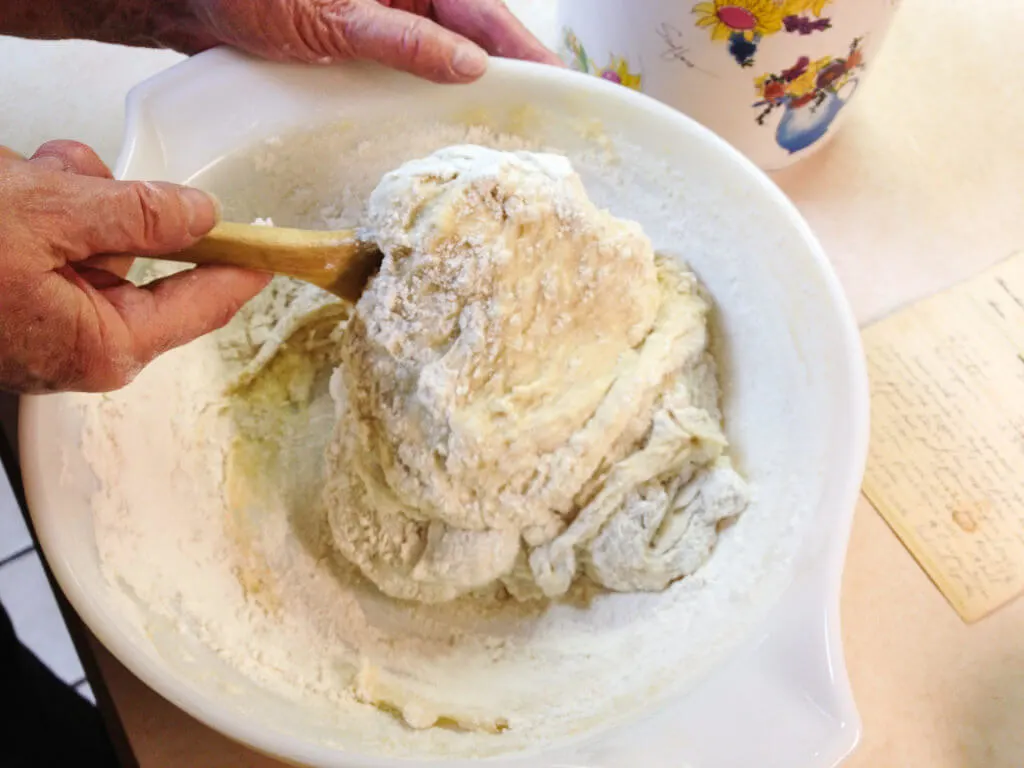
73, 154
321, 29
410, 44
342, 25
51, 147
149, 211
79, 156
347, 9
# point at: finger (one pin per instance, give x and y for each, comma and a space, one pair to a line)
404, 41
490, 24
139, 217
175, 310
72, 157
10, 154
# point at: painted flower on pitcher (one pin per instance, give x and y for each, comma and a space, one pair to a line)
770, 88
617, 71
579, 62
805, 83
744, 23
816, 7
749, 18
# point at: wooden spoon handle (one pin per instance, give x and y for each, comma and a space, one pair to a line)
336, 261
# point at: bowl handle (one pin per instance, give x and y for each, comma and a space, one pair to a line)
782, 701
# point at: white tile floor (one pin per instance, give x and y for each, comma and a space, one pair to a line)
26, 595
14, 535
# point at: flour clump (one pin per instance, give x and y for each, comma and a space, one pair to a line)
525, 392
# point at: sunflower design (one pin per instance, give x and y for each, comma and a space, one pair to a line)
814, 7
618, 72
751, 19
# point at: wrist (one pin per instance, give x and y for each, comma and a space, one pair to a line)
143, 23
174, 24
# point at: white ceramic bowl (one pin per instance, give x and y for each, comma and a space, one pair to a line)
771, 688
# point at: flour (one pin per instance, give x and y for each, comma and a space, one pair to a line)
209, 530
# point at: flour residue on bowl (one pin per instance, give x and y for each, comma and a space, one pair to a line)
208, 515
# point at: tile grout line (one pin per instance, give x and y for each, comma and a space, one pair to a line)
27, 550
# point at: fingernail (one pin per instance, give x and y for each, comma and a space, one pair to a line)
469, 60
203, 211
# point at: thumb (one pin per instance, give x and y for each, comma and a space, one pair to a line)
139, 217
175, 310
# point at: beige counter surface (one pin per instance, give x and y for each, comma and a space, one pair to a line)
922, 188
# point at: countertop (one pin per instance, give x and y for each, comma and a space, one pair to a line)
921, 188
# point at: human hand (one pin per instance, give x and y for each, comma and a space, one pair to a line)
442, 40
68, 318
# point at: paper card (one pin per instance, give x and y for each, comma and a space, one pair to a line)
946, 463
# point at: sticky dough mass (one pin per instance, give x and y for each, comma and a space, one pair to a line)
525, 392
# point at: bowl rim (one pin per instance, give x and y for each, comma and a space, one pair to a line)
292, 749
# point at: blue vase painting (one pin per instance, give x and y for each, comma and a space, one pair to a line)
801, 127
810, 94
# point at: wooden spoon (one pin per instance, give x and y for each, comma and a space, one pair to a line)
336, 261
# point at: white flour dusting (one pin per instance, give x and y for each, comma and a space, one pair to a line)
206, 517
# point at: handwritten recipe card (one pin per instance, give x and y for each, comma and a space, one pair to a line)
946, 464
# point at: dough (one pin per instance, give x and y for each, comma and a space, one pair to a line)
525, 392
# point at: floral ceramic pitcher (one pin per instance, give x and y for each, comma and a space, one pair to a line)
772, 77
